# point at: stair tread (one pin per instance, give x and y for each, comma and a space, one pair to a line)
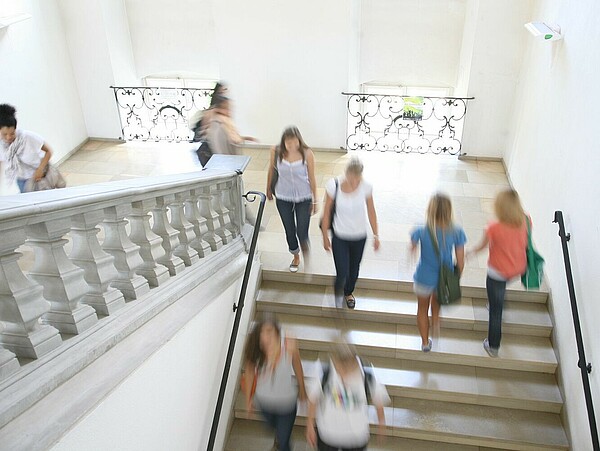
470, 385
469, 313
250, 436
455, 346
463, 423
387, 277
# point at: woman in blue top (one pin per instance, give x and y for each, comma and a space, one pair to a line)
448, 237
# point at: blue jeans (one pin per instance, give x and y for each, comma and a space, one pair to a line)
21, 184
347, 255
283, 425
496, 290
322, 446
296, 219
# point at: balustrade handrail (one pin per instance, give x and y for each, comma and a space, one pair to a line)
584, 367
127, 238
40, 203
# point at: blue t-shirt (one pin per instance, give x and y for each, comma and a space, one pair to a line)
428, 269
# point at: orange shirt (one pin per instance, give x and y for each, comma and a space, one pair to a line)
508, 245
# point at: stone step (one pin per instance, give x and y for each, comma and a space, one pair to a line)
399, 307
276, 268
454, 346
250, 435
460, 424
455, 383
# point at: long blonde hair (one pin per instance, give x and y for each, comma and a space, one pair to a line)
439, 212
508, 209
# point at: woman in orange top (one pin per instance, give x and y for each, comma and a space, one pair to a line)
507, 241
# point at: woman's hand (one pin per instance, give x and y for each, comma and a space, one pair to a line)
376, 243
38, 174
326, 242
311, 435
269, 193
315, 208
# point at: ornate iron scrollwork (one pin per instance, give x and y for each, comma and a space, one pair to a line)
159, 114
405, 124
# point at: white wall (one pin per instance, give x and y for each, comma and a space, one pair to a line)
414, 43
36, 76
168, 402
92, 54
495, 66
553, 161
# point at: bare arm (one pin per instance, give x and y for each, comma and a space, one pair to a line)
481, 246
326, 221
460, 258
39, 172
270, 174
311, 434
373, 221
310, 163
297, 365
249, 374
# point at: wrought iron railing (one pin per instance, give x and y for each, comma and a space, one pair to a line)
405, 123
158, 114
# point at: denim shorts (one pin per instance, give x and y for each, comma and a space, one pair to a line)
423, 290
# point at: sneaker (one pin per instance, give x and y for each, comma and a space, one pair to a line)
491, 351
427, 347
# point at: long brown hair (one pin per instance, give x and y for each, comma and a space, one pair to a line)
291, 132
253, 352
439, 212
508, 208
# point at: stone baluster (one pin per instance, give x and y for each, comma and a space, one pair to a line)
170, 236
222, 213
21, 306
126, 253
211, 217
8, 362
98, 266
150, 243
226, 229
231, 207
63, 282
192, 213
185, 229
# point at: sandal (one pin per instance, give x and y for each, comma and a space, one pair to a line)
294, 266
350, 301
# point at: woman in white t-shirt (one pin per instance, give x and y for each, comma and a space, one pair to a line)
338, 410
24, 154
351, 200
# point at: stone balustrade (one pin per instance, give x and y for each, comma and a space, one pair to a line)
101, 247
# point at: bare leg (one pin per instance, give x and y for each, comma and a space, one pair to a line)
423, 318
435, 317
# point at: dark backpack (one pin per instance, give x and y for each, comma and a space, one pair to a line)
204, 153
367, 372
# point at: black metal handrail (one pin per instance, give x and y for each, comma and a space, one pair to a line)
250, 196
405, 124
585, 368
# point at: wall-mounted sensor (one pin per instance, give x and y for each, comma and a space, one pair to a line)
544, 31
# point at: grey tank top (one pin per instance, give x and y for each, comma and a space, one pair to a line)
276, 390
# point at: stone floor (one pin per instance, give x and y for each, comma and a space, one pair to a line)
402, 186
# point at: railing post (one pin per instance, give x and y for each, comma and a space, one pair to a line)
127, 255
98, 266
185, 229
169, 235
63, 282
150, 243
192, 213
22, 304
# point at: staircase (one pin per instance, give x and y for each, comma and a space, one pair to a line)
455, 397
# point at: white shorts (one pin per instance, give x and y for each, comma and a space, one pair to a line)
422, 290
